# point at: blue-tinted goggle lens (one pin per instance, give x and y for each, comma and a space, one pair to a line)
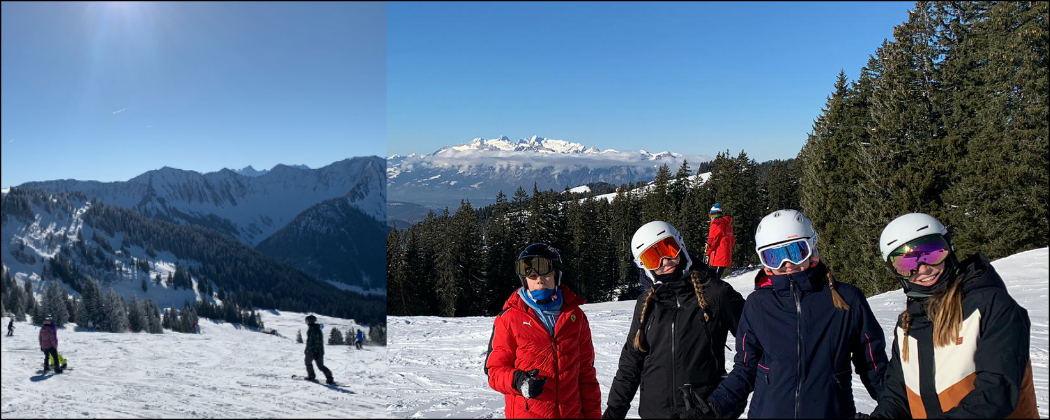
775, 257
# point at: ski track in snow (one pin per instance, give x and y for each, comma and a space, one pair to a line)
436, 364
226, 372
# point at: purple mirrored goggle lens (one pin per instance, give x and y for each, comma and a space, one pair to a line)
775, 257
929, 250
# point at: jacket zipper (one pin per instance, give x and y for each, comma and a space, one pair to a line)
554, 344
798, 344
674, 357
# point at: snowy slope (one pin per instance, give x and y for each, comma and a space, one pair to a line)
47, 233
227, 371
250, 209
436, 363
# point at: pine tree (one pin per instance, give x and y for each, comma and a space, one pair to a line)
657, 204
335, 338
500, 254
299, 337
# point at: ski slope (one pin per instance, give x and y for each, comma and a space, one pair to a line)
227, 371
436, 364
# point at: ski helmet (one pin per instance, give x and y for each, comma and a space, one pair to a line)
311, 320
785, 226
910, 227
544, 252
651, 234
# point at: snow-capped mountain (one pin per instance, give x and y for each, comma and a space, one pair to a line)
249, 208
479, 169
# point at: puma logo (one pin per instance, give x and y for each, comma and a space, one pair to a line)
529, 323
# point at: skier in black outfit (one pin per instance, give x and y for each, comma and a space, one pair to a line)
11, 328
676, 344
315, 351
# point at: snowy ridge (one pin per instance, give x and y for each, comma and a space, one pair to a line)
479, 169
431, 384
226, 371
702, 178
247, 208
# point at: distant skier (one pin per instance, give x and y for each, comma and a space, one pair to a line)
961, 349
195, 330
91, 326
49, 343
541, 356
315, 351
720, 241
11, 328
360, 340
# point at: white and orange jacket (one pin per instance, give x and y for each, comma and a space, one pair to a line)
986, 373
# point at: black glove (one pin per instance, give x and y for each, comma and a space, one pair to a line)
701, 411
861, 416
529, 384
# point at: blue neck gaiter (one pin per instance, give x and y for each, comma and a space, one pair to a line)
549, 311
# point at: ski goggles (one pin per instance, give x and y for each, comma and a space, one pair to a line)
929, 250
529, 266
794, 252
653, 256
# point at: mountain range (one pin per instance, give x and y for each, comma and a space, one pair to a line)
479, 169
285, 208
248, 208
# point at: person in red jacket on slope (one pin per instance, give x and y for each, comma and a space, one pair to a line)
720, 242
541, 357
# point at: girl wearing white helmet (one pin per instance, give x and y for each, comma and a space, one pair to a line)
675, 343
961, 348
801, 335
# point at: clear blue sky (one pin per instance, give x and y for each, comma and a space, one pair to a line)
202, 86
693, 78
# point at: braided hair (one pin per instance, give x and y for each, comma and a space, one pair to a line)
699, 282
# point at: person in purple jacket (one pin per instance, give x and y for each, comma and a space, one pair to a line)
49, 344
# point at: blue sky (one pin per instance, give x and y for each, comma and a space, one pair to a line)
107, 91
694, 78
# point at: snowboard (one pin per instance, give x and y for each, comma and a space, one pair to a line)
303, 378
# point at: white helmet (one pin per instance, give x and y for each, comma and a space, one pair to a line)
784, 226
651, 233
909, 227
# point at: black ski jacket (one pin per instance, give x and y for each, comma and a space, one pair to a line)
986, 373
315, 341
682, 347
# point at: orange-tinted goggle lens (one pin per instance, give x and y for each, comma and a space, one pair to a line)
666, 248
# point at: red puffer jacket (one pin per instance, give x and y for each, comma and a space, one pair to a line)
720, 242
521, 342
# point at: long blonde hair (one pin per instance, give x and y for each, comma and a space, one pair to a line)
946, 311
698, 286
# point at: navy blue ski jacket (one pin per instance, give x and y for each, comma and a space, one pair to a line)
795, 350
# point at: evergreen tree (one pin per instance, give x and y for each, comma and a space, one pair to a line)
397, 302
299, 337
335, 338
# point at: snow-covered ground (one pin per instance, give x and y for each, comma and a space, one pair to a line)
225, 372
436, 364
